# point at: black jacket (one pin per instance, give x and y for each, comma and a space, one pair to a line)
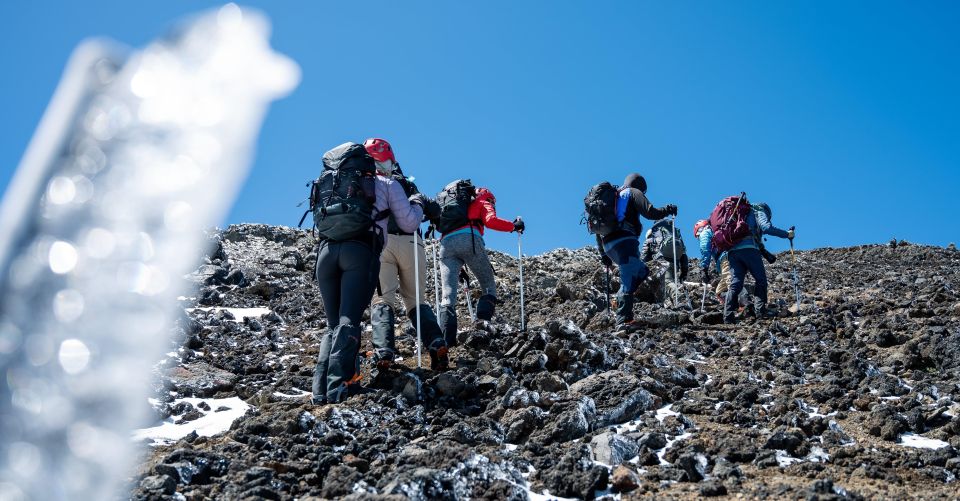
637, 205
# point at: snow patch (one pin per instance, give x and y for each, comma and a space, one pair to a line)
921, 442
546, 496
784, 459
662, 452
299, 393
817, 455
665, 411
209, 424
239, 314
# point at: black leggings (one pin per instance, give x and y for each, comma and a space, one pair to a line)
347, 274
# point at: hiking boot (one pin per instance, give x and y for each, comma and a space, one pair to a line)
627, 326
485, 325
439, 361
315, 400
766, 312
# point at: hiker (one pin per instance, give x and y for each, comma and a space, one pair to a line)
745, 256
704, 234
660, 246
465, 212
350, 204
616, 223
397, 275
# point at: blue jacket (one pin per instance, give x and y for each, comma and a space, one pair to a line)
706, 250
759, 223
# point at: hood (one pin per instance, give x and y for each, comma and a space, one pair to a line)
765, 208
485, 194
635, 180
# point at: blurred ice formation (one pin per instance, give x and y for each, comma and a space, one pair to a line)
136, 154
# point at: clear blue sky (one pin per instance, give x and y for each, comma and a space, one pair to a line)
843, 116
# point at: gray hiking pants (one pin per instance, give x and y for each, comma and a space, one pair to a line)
455, 252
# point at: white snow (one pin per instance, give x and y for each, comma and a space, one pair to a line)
784, 459
209, 424
299, 393
670, 442
510, 447
239, 314
665, 411
817, 455
546, 496
921, 442
696, 359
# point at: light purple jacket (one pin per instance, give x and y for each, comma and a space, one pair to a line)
390, 195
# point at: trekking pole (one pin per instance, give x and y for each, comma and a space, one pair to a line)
676, 269
523, 326
467, 293
703, 301
436, 274
607, 269
796, 276
416, 273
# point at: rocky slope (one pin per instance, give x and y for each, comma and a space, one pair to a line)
857, 396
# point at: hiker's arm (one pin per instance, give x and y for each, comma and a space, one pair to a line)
407, 215
488, 214
644, 207
766, 227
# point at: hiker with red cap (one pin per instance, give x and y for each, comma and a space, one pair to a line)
704, 234
462, 214
398, 275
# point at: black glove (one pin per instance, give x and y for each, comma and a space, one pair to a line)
431, 209
791, 233
518, 225
417, 199
606, 260
705, 277
670, 209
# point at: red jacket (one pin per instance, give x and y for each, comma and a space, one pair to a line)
483, 210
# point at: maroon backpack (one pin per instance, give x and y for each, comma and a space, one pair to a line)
729, 222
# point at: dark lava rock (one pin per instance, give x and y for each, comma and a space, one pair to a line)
550, 382
159, 484
576, 475
613, 449
874, 352
200, 379
789, 440
618, 396
623, 479
449, 384
572, 422
694, 466
713, 488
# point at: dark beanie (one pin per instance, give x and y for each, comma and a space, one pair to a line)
635, 180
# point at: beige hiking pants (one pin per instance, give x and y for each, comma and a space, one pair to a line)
397, 274
725, 277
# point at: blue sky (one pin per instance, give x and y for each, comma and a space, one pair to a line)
843, 116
